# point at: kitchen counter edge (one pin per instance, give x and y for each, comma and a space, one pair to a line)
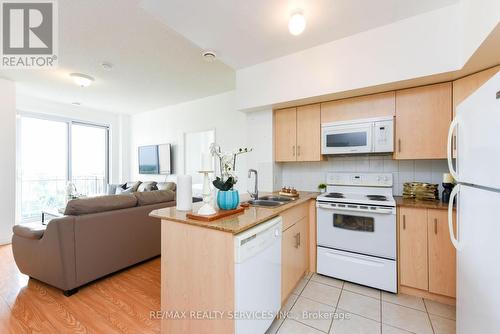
234, 224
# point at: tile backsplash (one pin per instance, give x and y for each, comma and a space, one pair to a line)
307, 175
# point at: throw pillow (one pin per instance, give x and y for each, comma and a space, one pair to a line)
147, 186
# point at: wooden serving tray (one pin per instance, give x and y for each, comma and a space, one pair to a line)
288, 194
218, 215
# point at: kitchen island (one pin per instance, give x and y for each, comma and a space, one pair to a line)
198, 262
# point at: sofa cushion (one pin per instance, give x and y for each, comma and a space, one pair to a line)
83, 206
166, 186
154, 197
147, 186
30, 230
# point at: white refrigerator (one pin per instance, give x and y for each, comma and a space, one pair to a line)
477, 239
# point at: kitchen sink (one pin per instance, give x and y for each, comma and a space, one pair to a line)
265, 203
276, 198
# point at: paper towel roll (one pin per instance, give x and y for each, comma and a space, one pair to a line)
184, 193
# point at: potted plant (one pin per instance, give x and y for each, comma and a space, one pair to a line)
227, 197
322, 187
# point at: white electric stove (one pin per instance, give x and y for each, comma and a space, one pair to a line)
356, 225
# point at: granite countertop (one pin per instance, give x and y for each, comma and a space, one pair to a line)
411, 203
235, 224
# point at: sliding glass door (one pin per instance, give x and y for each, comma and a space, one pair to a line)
89, 158
54, 152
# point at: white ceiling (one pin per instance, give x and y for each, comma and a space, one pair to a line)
155, 45
247, 32
153, 65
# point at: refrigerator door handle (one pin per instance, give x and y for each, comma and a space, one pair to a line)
449, 148
453, 194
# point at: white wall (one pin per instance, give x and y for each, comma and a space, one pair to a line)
415, 47
8, 160
478, 19
307, 176
119, 125
259, 129
169, 124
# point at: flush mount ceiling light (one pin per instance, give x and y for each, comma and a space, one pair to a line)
209, 56
82, 80
76, 104
297, 23
107, 66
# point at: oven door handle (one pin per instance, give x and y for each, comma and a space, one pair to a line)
383, 211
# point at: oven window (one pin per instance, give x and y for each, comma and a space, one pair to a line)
354, 223
350, 139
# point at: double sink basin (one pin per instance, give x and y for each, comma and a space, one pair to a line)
270, 201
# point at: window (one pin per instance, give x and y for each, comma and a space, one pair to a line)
53, 152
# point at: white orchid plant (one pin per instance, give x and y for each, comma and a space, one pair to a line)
227, 166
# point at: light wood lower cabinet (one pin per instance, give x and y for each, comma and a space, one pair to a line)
442, 255
413, 248
294, 256
426, 255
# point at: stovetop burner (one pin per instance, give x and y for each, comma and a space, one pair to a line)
335, 195
377, 197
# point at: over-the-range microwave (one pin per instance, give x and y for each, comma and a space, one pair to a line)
373, 135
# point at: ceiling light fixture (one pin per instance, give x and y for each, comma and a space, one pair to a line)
82, 80
76, 104
297, 23
209, 56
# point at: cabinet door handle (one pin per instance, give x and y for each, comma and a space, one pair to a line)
399, 145
435, 226
297, 240
298, 150
293, 150
404, 222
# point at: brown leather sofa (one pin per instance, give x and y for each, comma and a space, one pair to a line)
96, 237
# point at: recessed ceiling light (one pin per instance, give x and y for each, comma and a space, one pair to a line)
297, 23
209, 56
76, 104
82, 80
106, 66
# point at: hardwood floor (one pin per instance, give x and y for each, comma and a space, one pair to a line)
120, 303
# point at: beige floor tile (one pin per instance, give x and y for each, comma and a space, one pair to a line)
354, 324
361, 305
275, 326
281, 317
300, 286
386, 329
361, 289
312, 313
321, 293
405, 300
443, 325
327, 280
293, 327
406, 318
443, 310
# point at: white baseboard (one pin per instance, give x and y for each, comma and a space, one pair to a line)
5, 240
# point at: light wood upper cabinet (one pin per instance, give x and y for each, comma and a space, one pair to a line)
368, 106
297, 133
285, 134
423, 116
309, 133
413, 261
442, 255
293, 256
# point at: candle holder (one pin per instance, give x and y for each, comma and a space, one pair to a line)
207, 209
